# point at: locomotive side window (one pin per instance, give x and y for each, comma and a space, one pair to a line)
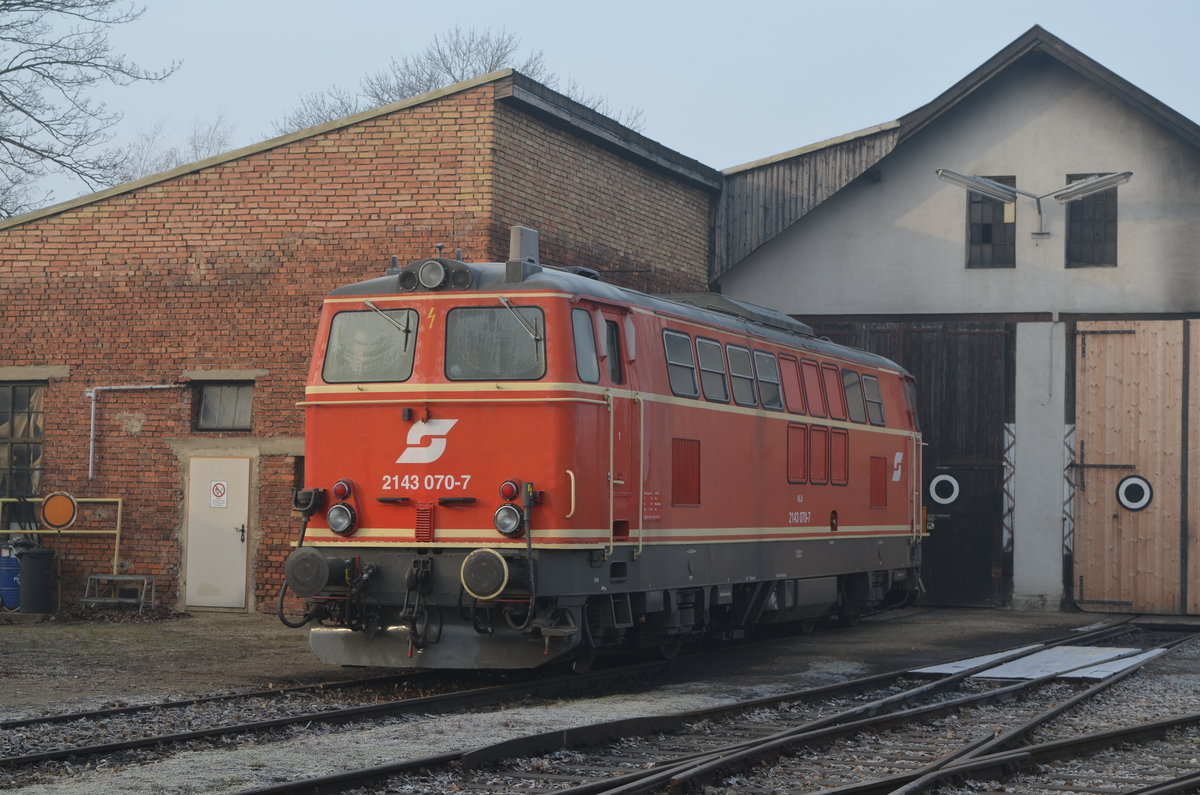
910, 404
500, 344
797, 453
681, 369
371, 347
839, 456
767, 370
854, 396
874, 400
587, 364
612, 334
833, 391
813, 390
712, 370
793, 392
741, 374
818, 454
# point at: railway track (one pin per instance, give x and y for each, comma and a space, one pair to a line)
892, 732
31, 748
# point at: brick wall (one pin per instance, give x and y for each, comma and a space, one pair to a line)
639, 226
225, 268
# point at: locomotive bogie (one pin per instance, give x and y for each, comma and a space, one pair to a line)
528, 465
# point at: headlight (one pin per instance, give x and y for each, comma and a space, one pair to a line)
431, 274
342, 519
509, 520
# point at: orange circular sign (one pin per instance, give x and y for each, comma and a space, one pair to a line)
58, 510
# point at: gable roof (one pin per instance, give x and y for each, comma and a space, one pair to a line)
512, 87
794, 183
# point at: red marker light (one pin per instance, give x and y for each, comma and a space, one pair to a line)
510, 489
341, 489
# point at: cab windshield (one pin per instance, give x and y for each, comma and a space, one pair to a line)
371, 346
504, 343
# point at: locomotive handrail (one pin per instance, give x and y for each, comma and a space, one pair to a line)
571, 477
612, 482
641, 484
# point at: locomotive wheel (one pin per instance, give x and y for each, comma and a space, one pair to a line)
807, 626
669, 649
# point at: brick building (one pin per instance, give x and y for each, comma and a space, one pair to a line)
165, 325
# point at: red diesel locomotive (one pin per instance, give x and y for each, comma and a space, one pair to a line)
508, 464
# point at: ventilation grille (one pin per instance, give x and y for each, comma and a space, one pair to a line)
425, 523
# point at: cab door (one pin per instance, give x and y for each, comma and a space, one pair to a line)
614, 332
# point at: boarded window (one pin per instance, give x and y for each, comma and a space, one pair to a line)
818, 454
22, 425
879, 481
681, 368
854, 396
991, 229
767, 370
741, 375
685, 471
712, 370
224, 407
839, 457
874, 396
833, 391
1092, 228
797, 452
814, 393
793, 392
587, 363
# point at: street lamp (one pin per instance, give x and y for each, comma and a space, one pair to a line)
1008, 194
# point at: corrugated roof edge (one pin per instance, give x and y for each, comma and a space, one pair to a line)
262, 146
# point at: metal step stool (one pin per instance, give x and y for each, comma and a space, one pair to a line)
115, 585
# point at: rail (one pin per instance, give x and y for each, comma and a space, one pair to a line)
115, 532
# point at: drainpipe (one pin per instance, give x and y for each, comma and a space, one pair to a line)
93, 394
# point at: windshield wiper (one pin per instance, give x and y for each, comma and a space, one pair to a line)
403, 329
528, 328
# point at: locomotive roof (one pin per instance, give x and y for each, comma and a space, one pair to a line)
711, 309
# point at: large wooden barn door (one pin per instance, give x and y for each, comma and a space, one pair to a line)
1134, 431
966, 386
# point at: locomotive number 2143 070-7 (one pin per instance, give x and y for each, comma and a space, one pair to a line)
428, 482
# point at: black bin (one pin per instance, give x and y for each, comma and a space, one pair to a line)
36, 580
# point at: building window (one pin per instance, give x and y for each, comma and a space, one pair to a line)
224, 407
1092, 228
21, 427
991, 230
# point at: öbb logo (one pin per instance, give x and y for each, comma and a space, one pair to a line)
433, 430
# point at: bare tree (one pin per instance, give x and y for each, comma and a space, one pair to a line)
52, 52
450, 58
152, 153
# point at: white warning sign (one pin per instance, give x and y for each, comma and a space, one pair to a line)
219, 494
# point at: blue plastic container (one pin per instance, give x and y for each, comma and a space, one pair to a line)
10, 579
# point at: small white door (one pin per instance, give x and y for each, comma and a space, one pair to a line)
217, 532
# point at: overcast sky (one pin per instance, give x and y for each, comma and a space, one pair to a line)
722, 82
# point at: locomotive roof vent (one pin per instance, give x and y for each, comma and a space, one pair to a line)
522, 254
